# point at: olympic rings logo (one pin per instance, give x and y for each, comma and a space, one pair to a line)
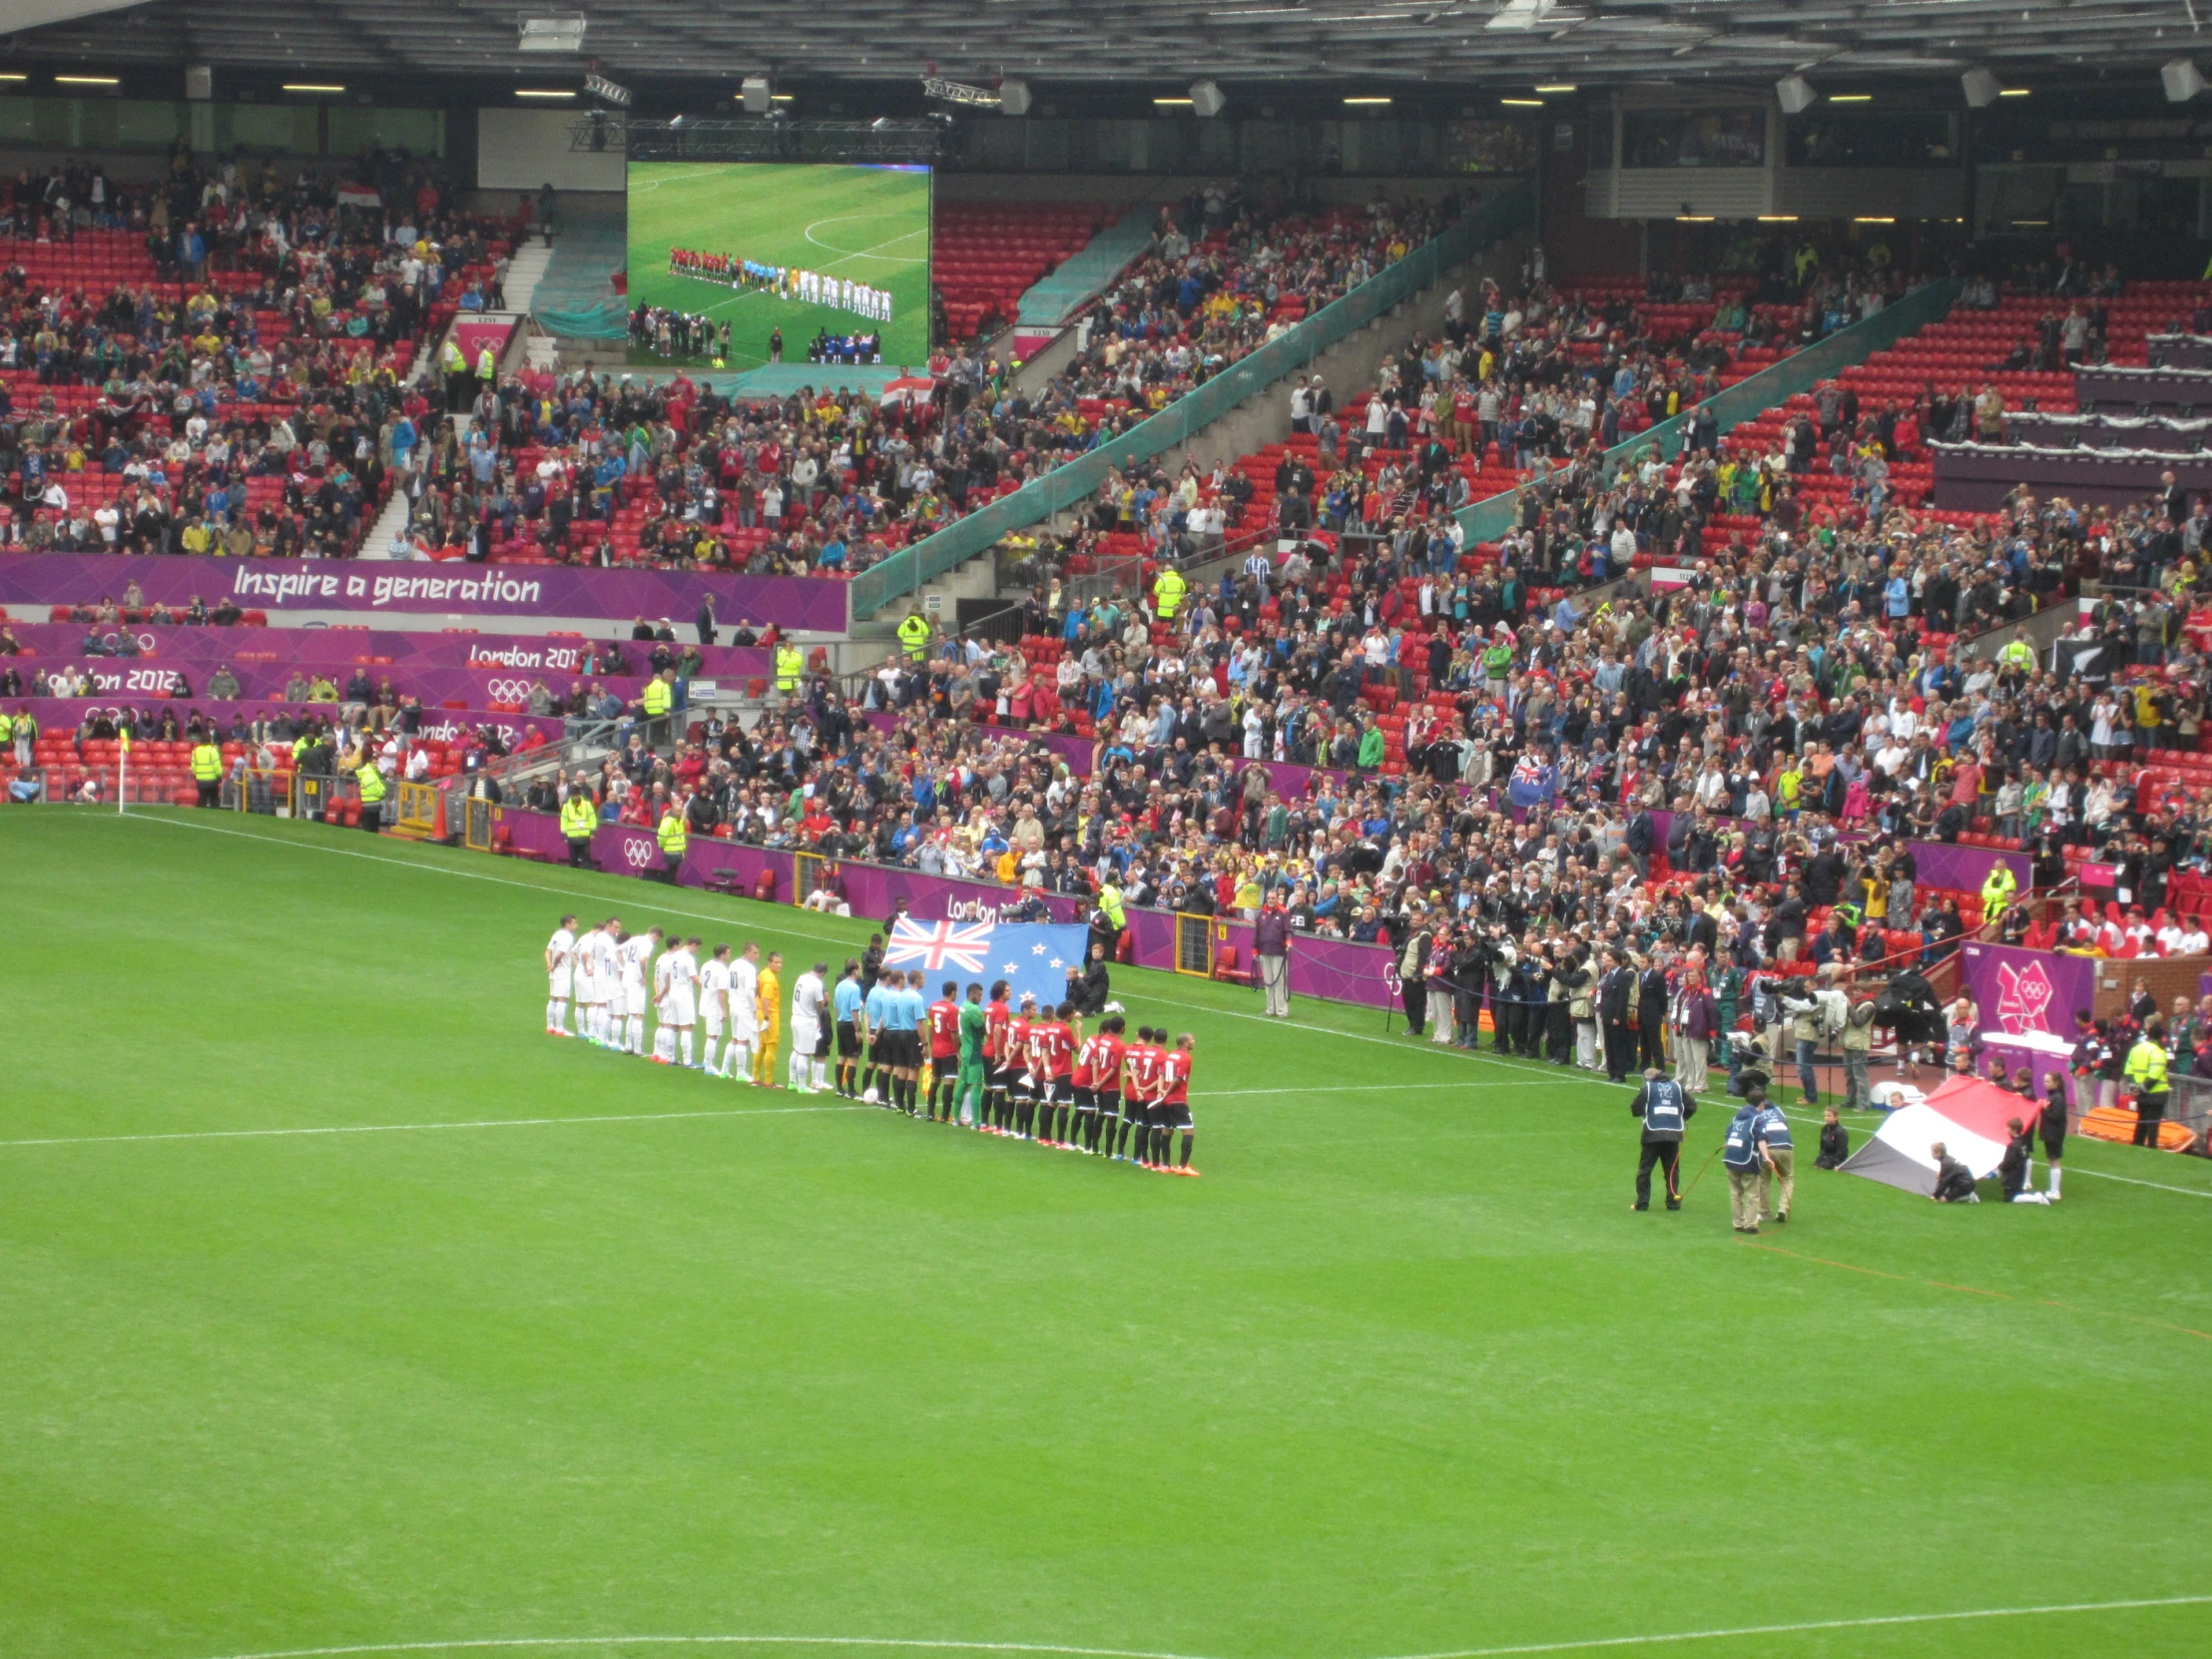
507, 691
637, 851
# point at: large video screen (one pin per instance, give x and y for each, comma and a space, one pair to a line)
740, 263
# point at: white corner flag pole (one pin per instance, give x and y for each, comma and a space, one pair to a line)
122, 771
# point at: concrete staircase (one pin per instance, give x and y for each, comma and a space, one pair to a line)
524, 271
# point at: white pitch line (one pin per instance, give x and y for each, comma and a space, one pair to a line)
607, 1117
417, 1128
1658, 1639
706, 1641
1811, 1625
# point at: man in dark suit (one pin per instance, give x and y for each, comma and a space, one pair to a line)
1651, 1013
1616, 988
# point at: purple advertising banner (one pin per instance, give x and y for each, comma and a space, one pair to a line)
60, 714
1965, 869
625, 850
433, 687
481, 594
379, 649
532, 834
2027, 994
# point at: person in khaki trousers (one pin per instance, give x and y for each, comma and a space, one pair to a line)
1741, 1157
1778, 1162
1858, 1045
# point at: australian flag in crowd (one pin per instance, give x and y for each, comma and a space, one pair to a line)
1033, 957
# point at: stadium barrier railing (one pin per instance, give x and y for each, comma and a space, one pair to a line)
1066, 486
1769, 388
418, 811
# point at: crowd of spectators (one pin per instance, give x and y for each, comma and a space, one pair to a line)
233, 381
1493, 749
832, 480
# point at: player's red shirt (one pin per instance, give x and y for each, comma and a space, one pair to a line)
1106, 1051
995, 1016
944, 1030
1017, 1043
1146, 1068
1053, 1044
1177, 1062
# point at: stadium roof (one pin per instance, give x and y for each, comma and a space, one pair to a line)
1444, 41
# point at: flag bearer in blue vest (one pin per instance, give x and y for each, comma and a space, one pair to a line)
1741, 1156
1666, 1111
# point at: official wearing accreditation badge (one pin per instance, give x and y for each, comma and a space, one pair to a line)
1666, 1110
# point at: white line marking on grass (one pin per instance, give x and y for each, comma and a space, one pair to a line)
1662, 1639
2186, 1192
868, 252
1510, 1063
708, 1641
414, 1128
607, 1117
1815, 1626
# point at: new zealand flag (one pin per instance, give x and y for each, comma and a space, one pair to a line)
1033, 957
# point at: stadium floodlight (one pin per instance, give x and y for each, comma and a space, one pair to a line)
1207, 99
2183, 81
1795, 93
1981, 88
757, 94
561, 33
1013, 98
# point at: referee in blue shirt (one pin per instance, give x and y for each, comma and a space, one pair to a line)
846, 1003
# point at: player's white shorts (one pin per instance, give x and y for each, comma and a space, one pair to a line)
744, 1025
806, 1036
557, 983
680, 1011
632, 1001
710, 1019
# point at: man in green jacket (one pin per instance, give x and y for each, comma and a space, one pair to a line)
1372, 746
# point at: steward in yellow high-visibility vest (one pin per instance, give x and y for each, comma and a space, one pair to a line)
660, 696
372, 796
487, 365
2146, 1072
672, 836
1168, 589
913, 636
1997, 888
789, 664
207, 771
579, 818
1111, 907
451, 360
7, 728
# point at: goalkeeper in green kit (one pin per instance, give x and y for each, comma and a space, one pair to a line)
972, 1024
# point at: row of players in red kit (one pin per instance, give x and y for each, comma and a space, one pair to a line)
1031, 1074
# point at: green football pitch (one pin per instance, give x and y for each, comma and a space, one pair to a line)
866, 224
345, 1313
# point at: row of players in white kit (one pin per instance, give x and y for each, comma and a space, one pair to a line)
605, 970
